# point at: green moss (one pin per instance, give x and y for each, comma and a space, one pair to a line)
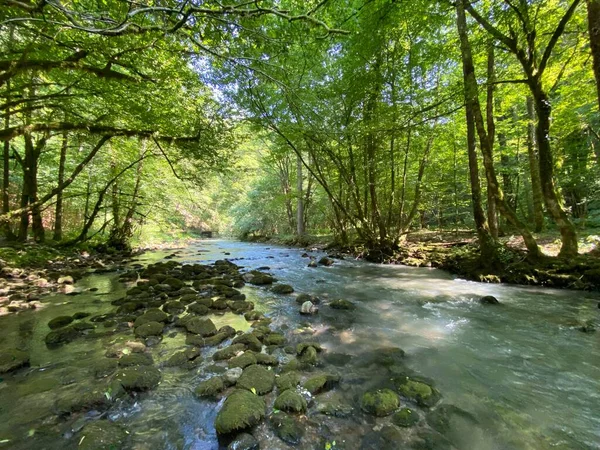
149, 329
139, 378
274, 339
320, 383
287, 381
228, 352
13, 359
244, 360
418, 391
136, 359
249, 340
152, 315
210, 387
241, 410
290, 401
282, 289
102, 435
405, 418
203, 327
257, 379
380, 403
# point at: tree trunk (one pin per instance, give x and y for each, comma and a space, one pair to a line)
300, 206
59, 197
492, 213
534, 169
593, 11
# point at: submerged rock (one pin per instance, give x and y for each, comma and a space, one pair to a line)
388, 437
140, 378
325, 261
380, 402
283, 289
308, 308
342, 304
136, 359
321, 383
61, 336
420, 392
489, 300
241, 410
406, 417
287, 428
60, 322
244, 441
287, 381
102, 435
13, 359
290, 401
228, 352
257, 379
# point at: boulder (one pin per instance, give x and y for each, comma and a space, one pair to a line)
287, 428
242, 361
308, 309
241, 410
12, 359
321, 383
418, 391
405, 418
203, 327
136, 359
232, 375
210, 387
326, 261
342, 304
149, 329
290, 401
60, 322
257, 379
228, 352
250, 340
61, 336
380, 402
139, 378
152, 315
282, 289
287, 381
489, 300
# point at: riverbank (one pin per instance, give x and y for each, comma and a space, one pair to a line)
457, 253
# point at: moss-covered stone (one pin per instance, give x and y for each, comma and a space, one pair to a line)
59, 322
228, 352
174, 307
104, 367
287, 428
321, 383
210, 387
175, 283
211, 341
102, 435
149, 329
61, 336
274, 339
406, 417
342, 304
241, 410
308, 356
244, 441
290, 401
199, 309
13, 359
288, 380
380, 403
250, 340
257, 379
258, 278
422, 393
203, 327
136, 359
242, 361
266, 360
282, 289
138, 378
152, 315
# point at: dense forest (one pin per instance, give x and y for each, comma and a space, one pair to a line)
362, 120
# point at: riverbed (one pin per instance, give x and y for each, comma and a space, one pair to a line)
521, 373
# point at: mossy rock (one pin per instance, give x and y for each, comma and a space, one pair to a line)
228, 352
274, 339
82, 326
175, 283
309, 356
249, 340
259, 278
266, 360
83, 398
321, 383
61, 336
138, 378
199, 309
102, 435
136, 359
241, 410
104, 367
13, 359
405, 418
288, 380
290, 401
441, 419
203, 327
282, 289
252, 316
287, 428
60, 322
149, 329
242, 361
210, 387
386, 438
257, 379
183, 357
244, 441
342, 304
152, 315
174, 307
303, 298
211, 341
422, 393
380, 402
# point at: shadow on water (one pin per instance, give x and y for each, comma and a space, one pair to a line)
520, 374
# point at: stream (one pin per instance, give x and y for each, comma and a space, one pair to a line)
522, 374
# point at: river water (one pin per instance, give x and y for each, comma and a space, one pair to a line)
522, 369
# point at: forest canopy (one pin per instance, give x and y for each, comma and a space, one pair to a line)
364, 119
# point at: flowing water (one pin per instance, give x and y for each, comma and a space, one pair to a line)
526, 375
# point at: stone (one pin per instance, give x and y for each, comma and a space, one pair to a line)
139, 378
405, 418
342, 304
68, 279
174, 307
149, 329
81, 315
241, 410
257, 379
287, 428
421, 393
380, 402
61, 336
250, 340
13, 359
308, 356
210, 387
104, 367
266, 360
232, 375
244, 441
152, 315
321, 383
282, 289
290, 401
258, 278
489, 300
274, 339
203, 327
60, 322
313, 264
288, 380
199, 309
308, 309
242, 361
228, 352
102, 435
325, 261
136, 359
